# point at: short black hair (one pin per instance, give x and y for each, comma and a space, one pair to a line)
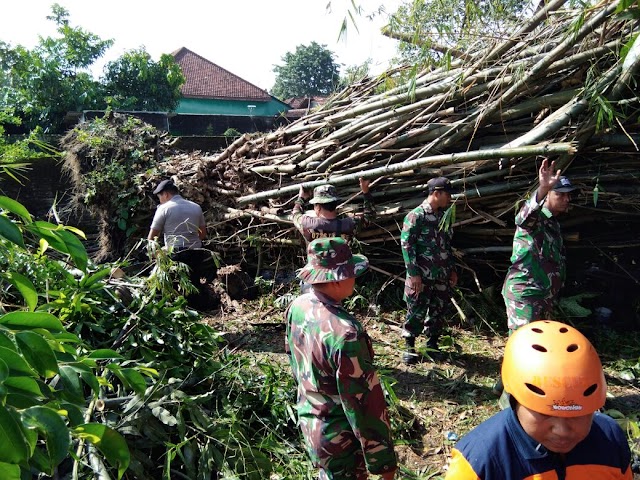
331, 206
171, 188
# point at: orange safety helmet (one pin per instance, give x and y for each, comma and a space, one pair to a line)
551, 368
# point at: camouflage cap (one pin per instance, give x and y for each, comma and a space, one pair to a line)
563, 186
324, 194
331, 260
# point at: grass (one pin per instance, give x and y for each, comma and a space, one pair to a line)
433, 403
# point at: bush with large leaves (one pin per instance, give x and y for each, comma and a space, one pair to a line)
49, 377
137, 388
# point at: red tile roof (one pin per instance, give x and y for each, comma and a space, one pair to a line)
205, 79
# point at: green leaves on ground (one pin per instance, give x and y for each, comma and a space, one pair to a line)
108, 441
82, 374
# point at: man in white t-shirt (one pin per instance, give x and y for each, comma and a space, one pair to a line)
182, 224
181, 221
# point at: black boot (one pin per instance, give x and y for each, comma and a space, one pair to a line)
432, 343
433, 349
409, 356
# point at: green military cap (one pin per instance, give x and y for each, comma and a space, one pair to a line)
331, 260
324, 194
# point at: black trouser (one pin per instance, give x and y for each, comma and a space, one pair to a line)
201, 265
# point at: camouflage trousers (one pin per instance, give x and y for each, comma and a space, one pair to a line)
334, 449
425, 313
526, 310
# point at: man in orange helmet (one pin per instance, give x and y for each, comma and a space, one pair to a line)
553, 429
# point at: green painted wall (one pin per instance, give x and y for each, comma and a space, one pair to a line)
231, 107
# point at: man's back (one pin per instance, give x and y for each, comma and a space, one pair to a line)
180, 221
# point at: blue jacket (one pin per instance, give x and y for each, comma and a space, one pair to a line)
500, 449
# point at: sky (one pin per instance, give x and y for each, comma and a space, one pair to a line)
245, 37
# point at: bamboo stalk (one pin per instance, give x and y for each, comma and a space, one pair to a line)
548, 149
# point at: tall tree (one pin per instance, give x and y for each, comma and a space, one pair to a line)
135, 82
43, 84
310, 70
427, 29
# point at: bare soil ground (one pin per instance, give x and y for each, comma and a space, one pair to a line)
438, 401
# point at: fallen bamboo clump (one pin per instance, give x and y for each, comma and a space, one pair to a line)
557, 88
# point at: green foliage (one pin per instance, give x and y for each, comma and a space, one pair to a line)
310, 70
428, 28
355, 73
448, 218
40, 86
45, 83
87, 379
135, 82
231, 132
47, 374
571, 306
114, 147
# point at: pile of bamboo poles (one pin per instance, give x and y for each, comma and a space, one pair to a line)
562, 87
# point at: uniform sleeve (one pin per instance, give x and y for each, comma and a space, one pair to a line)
408, 239
459, 468
297, 213
529, 212
363, 402
367, 215
158, 220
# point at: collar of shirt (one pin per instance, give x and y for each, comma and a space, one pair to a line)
527, 447
324, 299
426, 206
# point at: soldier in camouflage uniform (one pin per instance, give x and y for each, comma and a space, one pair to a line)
426, 248
325, 222
538, 269
341, 406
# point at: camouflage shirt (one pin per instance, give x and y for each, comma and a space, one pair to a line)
313, 227
537, 262
426, 248
332, 362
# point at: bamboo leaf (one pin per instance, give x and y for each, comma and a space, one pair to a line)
164, 416
88, 281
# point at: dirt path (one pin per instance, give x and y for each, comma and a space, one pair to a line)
438, 402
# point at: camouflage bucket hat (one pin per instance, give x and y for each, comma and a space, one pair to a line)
331, 260
324, 194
